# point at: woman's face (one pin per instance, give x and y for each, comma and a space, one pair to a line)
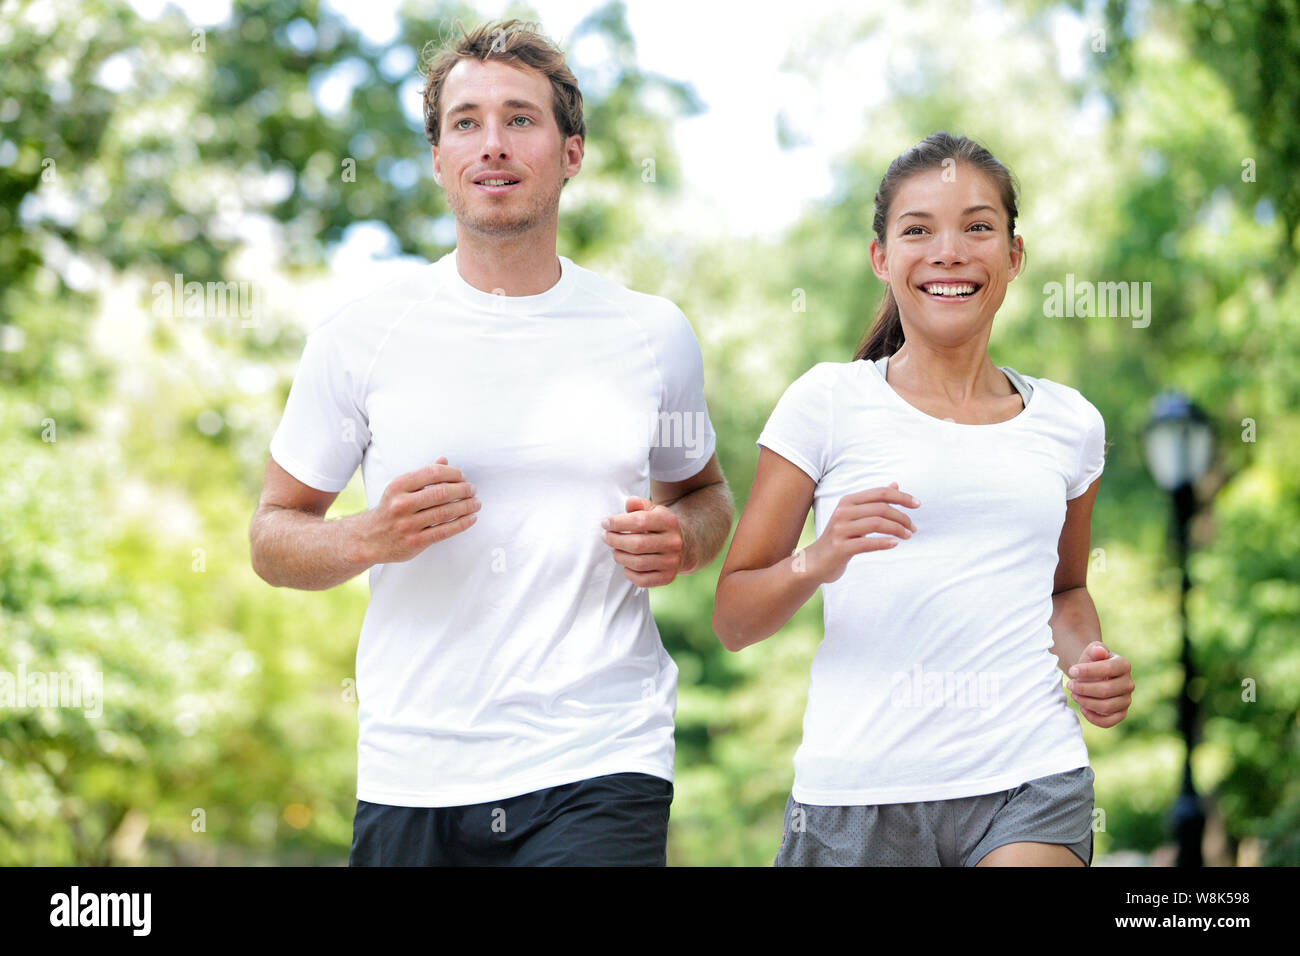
947, 256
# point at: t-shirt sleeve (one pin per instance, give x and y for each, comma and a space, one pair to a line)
324, 431
799, 427
1092, 455
684, 440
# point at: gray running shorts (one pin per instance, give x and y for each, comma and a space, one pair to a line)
1052, 809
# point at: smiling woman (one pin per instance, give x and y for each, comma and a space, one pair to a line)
946, 162
985, 588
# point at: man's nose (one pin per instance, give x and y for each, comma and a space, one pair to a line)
494, 142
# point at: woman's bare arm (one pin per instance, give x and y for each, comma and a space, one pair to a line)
1100, 680
759, 588
762, 582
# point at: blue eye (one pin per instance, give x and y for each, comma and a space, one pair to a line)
524, 118
458, 123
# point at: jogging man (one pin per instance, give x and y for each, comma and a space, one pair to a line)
536, 451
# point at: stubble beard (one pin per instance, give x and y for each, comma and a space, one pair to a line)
504, 222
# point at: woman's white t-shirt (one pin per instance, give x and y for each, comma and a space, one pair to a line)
935, 678
515, 655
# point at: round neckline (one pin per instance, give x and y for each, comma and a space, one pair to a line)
509, 304
1030, 405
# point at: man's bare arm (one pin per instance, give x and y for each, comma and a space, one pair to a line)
292, 544
296, 549
704, 516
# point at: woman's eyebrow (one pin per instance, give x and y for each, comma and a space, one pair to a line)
925, 215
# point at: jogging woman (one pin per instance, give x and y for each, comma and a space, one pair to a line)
952, 503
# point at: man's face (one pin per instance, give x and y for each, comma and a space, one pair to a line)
501, 156
947, 255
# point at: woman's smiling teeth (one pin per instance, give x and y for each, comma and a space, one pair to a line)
954, 290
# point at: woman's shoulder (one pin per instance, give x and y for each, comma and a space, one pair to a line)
1065, 397
827, 372
823, 378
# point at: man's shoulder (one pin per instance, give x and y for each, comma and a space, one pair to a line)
386, 300
636, 304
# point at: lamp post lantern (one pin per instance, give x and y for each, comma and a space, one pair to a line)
1178, 440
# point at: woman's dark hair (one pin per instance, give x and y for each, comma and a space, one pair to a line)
885, 337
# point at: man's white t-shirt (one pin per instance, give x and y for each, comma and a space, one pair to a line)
515, 655
935, 678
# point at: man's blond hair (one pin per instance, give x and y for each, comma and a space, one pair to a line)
513, 41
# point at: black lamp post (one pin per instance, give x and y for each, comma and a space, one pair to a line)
1178, 441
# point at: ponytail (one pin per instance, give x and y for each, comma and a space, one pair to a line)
885, 337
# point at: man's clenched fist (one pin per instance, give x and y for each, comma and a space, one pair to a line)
418, 508
647, 541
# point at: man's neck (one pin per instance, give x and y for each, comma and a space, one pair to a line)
520, 265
